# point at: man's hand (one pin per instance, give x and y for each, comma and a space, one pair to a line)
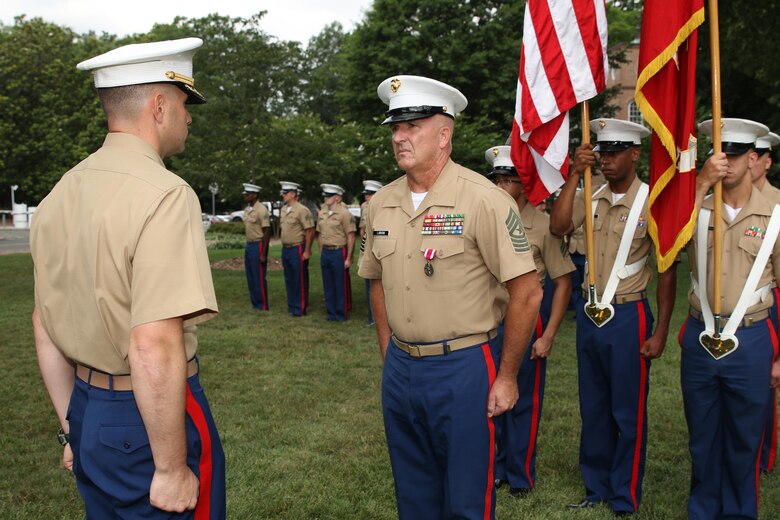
175, 491
347, 263
306, 254
584, 157
502, 396
774, 382
541, 348
653, 347
713, 170
67, 457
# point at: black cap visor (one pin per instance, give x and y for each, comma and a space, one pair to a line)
193, 96
612, 146
411, 113
502, 170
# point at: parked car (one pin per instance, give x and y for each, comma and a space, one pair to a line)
206, 219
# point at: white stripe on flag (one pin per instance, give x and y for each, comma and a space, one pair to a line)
539, 88
573, 48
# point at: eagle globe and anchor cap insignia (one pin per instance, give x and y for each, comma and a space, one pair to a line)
517, 232
395, 85
495, 151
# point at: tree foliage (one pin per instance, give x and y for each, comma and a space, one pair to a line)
279, 111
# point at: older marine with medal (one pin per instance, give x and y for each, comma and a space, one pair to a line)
615, 342
728, 364
449, 262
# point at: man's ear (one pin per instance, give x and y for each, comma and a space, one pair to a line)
158, 106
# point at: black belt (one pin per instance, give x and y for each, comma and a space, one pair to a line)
292, 245
333, 248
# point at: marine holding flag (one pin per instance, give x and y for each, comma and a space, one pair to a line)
725, 373
615, 345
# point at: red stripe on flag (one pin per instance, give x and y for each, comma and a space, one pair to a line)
586, 19
552, 54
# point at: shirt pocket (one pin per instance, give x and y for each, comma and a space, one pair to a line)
383, 250
750, 246
448, 265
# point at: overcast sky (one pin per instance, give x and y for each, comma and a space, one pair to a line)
286, 19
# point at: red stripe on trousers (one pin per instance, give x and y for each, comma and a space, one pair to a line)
770, 463
773, 338
260, 274
535, 408
491, 370
303, 287
203, 509
347, 291
640, 417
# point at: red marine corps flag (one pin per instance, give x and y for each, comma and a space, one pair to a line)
563, 61
665, 93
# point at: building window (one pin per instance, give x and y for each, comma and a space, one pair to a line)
634, 114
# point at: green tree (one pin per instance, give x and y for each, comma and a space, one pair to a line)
50, 112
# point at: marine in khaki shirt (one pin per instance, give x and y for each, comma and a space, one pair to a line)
257, 225
121, 280
370, 187
517, 440
613, 357
449, 262
295, 221
297, 233
336, 235
727, 366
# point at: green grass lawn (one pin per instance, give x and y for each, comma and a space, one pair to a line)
297, 405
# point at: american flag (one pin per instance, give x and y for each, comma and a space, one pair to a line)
563, 61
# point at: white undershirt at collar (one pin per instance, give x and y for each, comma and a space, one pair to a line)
417, 199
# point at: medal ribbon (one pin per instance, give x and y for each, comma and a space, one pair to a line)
430, 254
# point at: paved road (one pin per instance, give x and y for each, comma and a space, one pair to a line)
14, 241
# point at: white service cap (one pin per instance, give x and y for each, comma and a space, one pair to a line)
371, 186
167, 61
615, 135
416, 97
331, 189
500, 159
737, 135
251, 188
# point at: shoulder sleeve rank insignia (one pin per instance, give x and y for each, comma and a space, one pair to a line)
517, 232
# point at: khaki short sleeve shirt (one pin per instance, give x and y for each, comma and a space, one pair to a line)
609, 222
119, 243
770, 193
550, 253
742, 239
294, 220
256, 218
472, 231
334, 225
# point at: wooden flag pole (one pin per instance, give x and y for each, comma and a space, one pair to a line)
717, 146
590, 254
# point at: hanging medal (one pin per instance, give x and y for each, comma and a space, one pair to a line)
430, 254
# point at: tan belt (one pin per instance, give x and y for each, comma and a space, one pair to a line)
292, 245
119, 383
333, 248
622, 298
747, 321
444, 347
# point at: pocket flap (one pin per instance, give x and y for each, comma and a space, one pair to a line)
123, 437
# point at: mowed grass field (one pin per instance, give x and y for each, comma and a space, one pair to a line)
297, 402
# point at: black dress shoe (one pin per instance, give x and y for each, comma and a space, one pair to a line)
584, 504
519, 492
498, 483
623, 513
